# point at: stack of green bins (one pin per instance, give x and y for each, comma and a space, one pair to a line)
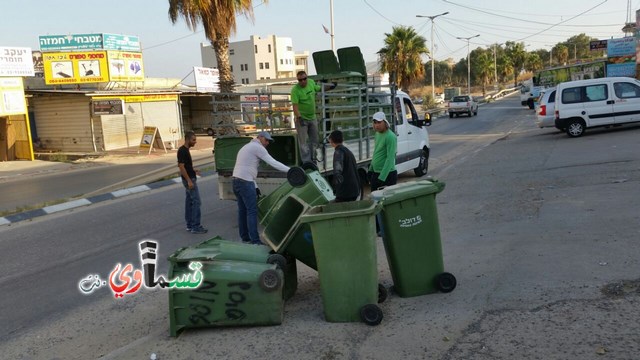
278, 213
232, 293
344, 239
411, 237
219, 249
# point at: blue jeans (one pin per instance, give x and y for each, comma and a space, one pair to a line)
245, 192
192, 205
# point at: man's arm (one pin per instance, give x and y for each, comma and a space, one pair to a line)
390, 161
338, 169
183, 173
264, 155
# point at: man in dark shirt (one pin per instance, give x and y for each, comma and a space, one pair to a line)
346, 182
188, 174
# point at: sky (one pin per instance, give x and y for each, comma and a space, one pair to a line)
171, 50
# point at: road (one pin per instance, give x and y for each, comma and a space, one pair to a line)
539, 229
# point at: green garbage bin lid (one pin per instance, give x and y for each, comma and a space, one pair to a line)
343, 209
408, 190
195, 254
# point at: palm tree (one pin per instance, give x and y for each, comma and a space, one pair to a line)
518, 55
218, 18
483, 67
402, 55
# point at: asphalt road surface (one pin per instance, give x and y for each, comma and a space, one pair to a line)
540, 230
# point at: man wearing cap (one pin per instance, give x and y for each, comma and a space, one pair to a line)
244, 184
383, 164
303, 99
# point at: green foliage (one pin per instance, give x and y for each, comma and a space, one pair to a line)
402, 55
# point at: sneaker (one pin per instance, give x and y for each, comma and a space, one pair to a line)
199, 230
188, 229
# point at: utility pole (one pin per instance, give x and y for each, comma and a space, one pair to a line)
495, 65
333, 46
468, 62
433, 89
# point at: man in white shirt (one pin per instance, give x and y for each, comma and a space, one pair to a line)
244, 184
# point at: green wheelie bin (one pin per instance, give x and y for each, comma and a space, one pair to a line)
411, 237
218, 248
278, 213
344, 240
232, 293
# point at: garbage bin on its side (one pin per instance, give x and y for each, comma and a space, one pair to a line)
232, 293
344, 240
218, 248
411, 237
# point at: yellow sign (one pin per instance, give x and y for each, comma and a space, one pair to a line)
125, 66
141, 98
151, 139
75, 67
12, 96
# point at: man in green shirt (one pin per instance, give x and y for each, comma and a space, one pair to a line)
383, 164
303, 99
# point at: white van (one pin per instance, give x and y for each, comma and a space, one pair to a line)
591, 103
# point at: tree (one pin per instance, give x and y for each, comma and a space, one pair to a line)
482, 67
515, 51
402, 55
505, 67
561, 52
534, 62
218, 18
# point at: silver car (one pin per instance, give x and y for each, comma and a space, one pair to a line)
546, 108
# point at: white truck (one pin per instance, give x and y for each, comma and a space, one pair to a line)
463, 104
348, 108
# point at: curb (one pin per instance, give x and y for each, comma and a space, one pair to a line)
76, 203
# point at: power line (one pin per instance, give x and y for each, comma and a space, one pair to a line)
379, 13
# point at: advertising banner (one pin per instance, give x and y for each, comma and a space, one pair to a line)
12, 97
621, 55
75, 67
74, 42
125, 66
16, 61
70, 42
120, 42
207, 79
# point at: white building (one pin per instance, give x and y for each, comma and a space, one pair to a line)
257, 59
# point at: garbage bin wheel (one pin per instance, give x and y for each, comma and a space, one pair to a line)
371, 314
310, 166
446, 282
270, 280
277, 259
296, 176
382, 293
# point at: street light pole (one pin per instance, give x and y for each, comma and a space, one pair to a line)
468, 62
433, 89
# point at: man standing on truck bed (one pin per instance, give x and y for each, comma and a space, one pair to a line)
303, 99
244, 184
383, 163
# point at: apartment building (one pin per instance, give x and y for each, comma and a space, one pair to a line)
259, 59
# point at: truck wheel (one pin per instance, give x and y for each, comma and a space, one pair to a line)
475, 112
470, 113
575, 128
210, 132
450, 115
423, 166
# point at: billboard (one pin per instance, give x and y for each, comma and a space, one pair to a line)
16, 61
74, 42
75, 67
12, 97
125, 66
621, 55
207, 79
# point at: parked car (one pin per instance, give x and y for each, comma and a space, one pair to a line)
545, 110
463, 104
584, 104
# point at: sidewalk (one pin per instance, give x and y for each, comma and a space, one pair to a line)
15, 170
